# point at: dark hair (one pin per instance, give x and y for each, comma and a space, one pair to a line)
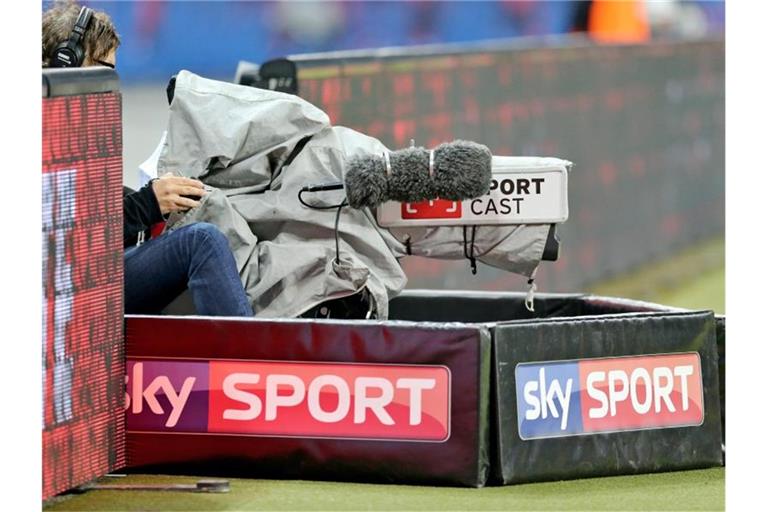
58, 21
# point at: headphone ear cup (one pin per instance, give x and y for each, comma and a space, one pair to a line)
67, 56
64, 57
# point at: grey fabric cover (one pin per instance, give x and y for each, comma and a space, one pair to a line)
236, 139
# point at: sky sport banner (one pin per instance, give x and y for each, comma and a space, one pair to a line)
82, 280
615, 394
644, 126
290, 399
607, 395
351, 401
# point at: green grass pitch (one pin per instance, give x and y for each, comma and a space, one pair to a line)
685, 490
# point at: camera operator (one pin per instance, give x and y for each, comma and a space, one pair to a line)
159, 268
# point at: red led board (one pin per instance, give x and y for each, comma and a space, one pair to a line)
82, 288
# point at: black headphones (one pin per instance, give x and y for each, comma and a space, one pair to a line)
70, 54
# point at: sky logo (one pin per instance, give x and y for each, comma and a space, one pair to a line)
565, 398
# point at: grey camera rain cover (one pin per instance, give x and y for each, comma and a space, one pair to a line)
238, 139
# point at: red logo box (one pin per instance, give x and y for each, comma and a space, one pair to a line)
433, 209
629, 393
330, 400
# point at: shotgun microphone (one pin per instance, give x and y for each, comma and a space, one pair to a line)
455, 171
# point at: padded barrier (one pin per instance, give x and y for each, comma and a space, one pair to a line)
427, 328
298, 445
598, 446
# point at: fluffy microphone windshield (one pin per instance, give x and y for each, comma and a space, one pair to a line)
460, 170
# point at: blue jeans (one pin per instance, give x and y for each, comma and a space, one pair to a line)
196, 256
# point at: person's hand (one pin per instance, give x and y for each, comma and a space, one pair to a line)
170, 191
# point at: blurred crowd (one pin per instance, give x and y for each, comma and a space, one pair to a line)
161, 37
